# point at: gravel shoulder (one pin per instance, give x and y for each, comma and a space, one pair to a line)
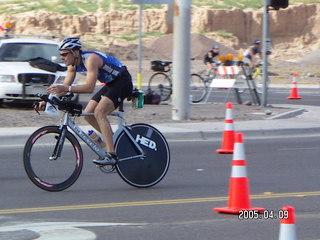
22, 115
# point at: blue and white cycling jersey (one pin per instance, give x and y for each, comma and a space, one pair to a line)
111, 68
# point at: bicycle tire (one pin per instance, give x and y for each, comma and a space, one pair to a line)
52, 175
160, 83
151, 169
198, 88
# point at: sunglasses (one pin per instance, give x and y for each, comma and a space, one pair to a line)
64, 54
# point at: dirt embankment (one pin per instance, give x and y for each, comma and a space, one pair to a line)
294, 31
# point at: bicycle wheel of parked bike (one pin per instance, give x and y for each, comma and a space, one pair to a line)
198, 88
150, 169
46, 171
161, 84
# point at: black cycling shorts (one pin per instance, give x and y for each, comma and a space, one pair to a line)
117, 90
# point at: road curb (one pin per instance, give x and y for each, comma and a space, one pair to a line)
266, 133
288, 114
195, 134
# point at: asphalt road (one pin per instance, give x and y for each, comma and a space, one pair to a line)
100, 206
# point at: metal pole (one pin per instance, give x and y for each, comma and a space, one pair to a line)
139, 76
181, 60
265, 50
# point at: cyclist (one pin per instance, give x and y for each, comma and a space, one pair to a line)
251, 53
95, 66
209, 59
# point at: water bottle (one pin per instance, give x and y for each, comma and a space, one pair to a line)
137, 102
95, 137
52, 110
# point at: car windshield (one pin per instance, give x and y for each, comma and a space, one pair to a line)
20, 52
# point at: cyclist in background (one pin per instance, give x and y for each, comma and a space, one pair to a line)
209, 59
95, 66
253, 52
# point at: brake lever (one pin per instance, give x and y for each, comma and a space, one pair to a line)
34, 107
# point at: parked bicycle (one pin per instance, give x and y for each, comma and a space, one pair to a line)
161, 82
53, 156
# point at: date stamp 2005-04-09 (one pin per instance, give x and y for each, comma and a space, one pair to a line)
264, 215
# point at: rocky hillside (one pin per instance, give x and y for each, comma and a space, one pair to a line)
294, 31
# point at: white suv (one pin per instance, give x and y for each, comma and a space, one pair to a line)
18, 79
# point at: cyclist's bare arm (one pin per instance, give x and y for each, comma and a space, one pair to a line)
63, 89
71, 75
92, 63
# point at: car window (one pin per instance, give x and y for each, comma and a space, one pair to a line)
20, 52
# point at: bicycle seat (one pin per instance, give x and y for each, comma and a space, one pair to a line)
166, 63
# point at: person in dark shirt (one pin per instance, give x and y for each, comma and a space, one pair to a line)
209, 59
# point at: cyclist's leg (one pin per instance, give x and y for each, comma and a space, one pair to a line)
92, 104
114, 93
104, 108
101, 106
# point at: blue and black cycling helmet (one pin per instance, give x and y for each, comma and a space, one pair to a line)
256, 42
215, 47
70, 43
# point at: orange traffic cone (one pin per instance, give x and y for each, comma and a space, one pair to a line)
287, 224
294, 89
239, 182
228, 134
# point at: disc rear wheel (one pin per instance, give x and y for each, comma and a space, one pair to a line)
150, 169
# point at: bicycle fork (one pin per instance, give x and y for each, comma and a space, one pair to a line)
59, 144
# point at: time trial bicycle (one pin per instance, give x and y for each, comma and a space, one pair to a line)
53, 157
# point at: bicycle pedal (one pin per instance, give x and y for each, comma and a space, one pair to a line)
106, 169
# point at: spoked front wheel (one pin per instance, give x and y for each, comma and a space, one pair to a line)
46, 171
144, 171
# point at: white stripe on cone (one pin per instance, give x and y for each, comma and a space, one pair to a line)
287, 232
239, 172
229, 115
239, 153
228, 127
